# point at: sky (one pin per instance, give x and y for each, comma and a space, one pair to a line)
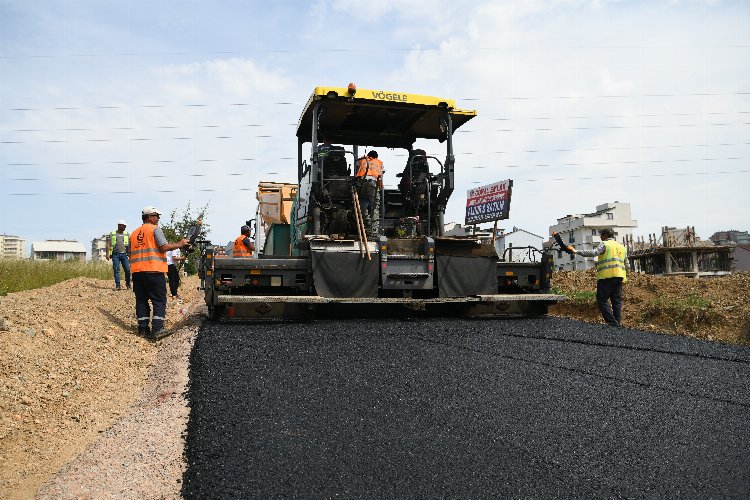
108, 106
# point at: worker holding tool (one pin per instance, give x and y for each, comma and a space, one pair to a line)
148, 263
610, 274
243, 247
370, 177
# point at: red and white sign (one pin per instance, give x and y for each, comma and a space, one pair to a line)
488, 203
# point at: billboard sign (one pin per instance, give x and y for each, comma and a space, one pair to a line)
488, 203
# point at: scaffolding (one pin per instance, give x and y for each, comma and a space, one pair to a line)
678, 252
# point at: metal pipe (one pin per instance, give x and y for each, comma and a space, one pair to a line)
429, 212
316, 220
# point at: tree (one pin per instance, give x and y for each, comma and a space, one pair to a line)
178, 226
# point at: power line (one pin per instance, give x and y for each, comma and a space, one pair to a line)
622, 162
145, 106
461, 153
639, 176
471, 99
316, 50
640, 115
555, 179
247, 125
268, 136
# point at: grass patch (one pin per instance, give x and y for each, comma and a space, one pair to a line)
692, 301
22, 274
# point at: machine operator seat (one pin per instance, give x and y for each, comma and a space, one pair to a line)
418, 166
334, 162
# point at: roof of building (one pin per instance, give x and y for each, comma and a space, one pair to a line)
58, 246
518, 230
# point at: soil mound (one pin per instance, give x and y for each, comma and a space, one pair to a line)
707, 308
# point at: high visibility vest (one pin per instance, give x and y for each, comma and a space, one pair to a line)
611, 264
145, 255
372, 167
240, 249
113, 240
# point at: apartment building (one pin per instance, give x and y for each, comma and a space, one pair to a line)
11, 247
582, 231
99, 248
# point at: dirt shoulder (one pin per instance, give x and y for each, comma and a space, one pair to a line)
714, 309
72, 367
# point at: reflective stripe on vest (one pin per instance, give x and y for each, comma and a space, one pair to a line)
372, 167
611, 264
240, 249
145, 255
113, 240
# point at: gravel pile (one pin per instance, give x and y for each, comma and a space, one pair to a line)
71, 366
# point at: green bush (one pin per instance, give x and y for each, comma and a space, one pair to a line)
22, 274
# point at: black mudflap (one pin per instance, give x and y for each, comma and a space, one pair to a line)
461, 276
345, 274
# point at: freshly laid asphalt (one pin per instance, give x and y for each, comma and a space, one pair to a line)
448, 408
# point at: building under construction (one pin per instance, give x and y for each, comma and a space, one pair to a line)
678, 252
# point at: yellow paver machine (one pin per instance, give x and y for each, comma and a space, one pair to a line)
331, 251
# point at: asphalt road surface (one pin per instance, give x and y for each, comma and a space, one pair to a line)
441, 408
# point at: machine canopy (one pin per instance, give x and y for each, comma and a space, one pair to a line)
378, 118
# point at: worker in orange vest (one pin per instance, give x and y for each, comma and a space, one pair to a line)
243, 247
148, 263
370, 174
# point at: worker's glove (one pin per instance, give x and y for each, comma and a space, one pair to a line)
565, 248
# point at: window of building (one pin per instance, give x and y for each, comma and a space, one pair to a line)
593, 232
572, 238
610, 216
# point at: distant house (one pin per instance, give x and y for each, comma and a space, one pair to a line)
11, 247
582, 231
513, 246
58, 250
741, 258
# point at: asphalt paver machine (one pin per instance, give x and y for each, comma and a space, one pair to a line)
330, 261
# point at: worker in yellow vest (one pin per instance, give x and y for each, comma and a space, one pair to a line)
118, 246
148, 262
243, 247
610, 274
370, 174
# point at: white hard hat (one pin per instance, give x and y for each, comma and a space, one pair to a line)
149, 210
121, 222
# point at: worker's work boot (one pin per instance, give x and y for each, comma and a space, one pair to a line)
160, 334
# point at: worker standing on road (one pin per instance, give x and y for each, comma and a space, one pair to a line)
243, 246
118, 246
149, 264
370, 170
610, 274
